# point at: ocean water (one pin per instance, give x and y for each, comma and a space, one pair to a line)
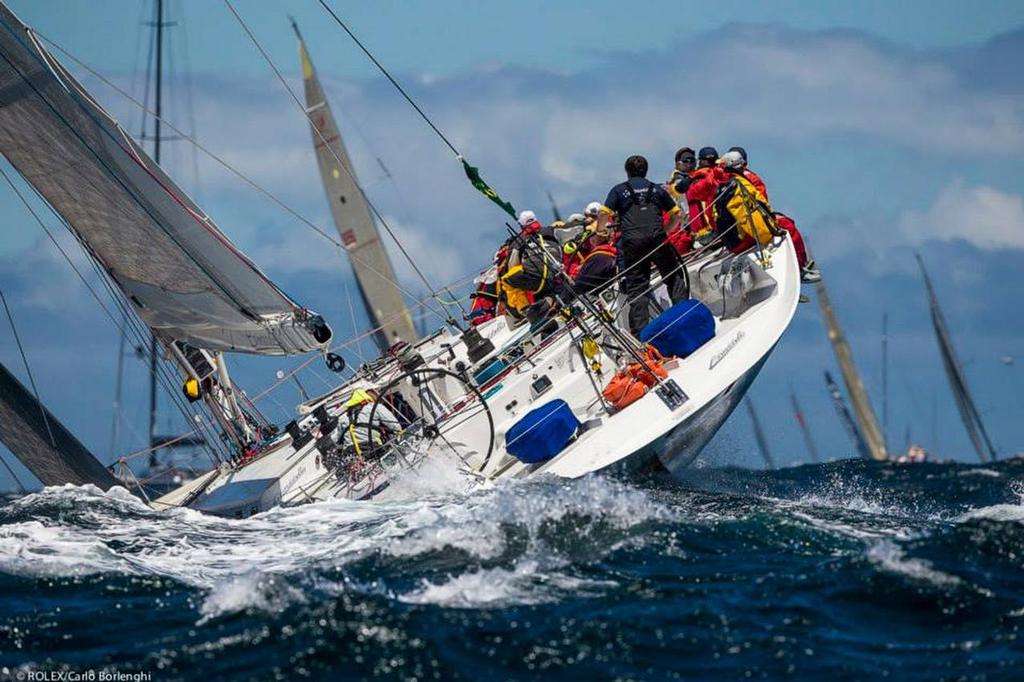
848, 570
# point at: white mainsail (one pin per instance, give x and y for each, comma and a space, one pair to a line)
183, 276
373, 270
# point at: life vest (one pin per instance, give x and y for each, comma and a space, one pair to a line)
597, 268
744, 206
633, 381
516, 299
485, 300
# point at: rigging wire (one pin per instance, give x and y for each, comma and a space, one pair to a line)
390, 78
234, 171
348, 171
31, 379
10, 470
131, 326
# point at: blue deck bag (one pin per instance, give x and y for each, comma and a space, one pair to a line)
681, 329
542, 432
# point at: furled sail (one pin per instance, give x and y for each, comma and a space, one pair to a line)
42, 443
871, 433
370, 262
957, 380
186, 280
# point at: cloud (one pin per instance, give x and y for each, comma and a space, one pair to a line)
981, 215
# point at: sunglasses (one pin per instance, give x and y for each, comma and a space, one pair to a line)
688, 159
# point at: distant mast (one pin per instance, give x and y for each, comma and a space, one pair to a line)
374, 273
957, 380
846, 418
762, 442
865, 415
808, 440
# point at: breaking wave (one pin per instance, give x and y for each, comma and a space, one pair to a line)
722, 573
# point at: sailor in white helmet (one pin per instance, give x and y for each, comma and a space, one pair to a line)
528, 221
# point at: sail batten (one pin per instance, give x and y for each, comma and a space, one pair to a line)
371, 265
183, 276
955, 374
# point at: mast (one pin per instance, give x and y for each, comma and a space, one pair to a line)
885, 379
955, 374
762, 442
350, 210
554, 207
808, 440
872, 434
846, 418
157, 119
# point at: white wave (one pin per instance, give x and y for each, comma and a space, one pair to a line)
525, 584
234, 562
996, 512
249, 592
888, 556
438, 474
480, 527
980, 471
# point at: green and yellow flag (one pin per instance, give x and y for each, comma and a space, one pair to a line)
473, 174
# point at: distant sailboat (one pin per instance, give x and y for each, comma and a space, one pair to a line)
846, 418
762, 442
871, 436
957, 380
374, 273
798, 414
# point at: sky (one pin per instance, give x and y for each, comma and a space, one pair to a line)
882, 128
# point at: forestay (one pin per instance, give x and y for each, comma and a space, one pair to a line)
184, 277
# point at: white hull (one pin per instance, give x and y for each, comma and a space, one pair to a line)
652, 431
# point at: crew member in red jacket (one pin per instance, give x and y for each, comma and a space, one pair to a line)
808, 268
703, 190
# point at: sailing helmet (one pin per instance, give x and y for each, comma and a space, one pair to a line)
593, 208
708, 153
733, 160
526, 217
742, 151
576, 218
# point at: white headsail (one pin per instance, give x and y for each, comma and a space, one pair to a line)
183, 276
370, 262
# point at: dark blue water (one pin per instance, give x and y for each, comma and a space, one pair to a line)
849, 570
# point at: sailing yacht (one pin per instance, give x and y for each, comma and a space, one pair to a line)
955, 374
466, 396
865, 432
371, 265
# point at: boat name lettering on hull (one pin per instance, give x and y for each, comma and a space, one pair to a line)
720, 355
290, 483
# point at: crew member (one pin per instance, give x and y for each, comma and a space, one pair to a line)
640, 205
679, 182
599, 262
808, 269
703, 188
754, 178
